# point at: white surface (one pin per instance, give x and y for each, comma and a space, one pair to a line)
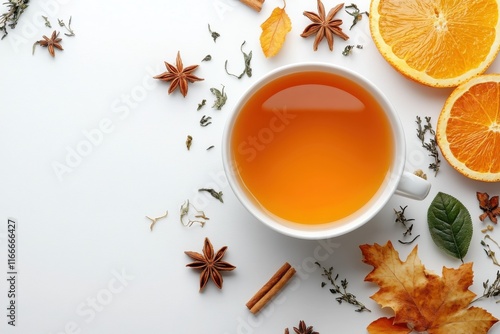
77, 233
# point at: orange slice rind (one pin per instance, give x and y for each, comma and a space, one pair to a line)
468, 128
439, 43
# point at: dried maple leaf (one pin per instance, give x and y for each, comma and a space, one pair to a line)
489, 206
386, 325
422, 301
274, 31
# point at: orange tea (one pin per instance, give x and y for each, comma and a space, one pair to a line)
312, 147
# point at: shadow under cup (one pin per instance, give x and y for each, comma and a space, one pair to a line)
283, 161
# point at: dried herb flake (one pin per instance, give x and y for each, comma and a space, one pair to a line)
348, 49
201, 104
220, 98
155, 220
189, 142
214, 34
215, 194
355, 13
247, 58
205, 120
200, 216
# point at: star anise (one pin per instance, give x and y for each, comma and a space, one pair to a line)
179, 75
324, 26
211, 264
51, 43
303, 329
489, 206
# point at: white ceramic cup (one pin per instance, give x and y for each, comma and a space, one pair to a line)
397, 181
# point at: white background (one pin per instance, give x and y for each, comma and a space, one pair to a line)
79, 231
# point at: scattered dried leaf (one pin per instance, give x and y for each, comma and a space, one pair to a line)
189, 142
274, 31
220, 98
215, 194
422, 301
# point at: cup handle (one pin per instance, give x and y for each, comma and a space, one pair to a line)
413, 186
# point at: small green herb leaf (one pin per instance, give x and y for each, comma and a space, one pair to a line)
450, 225
247, 59
220, 98
214, 34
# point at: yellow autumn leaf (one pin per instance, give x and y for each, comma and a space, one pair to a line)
274, 31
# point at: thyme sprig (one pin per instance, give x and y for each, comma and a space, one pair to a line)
401, 219
341, 289
68, 27
430, 146
355, 13
10, 18
47, 22
492, 290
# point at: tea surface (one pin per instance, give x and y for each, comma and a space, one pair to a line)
312, 147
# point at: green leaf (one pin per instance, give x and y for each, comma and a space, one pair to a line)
450, 225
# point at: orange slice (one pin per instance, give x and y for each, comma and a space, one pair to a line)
468, 128
439, 43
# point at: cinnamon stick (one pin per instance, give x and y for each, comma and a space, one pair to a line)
255, 4
271, 288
